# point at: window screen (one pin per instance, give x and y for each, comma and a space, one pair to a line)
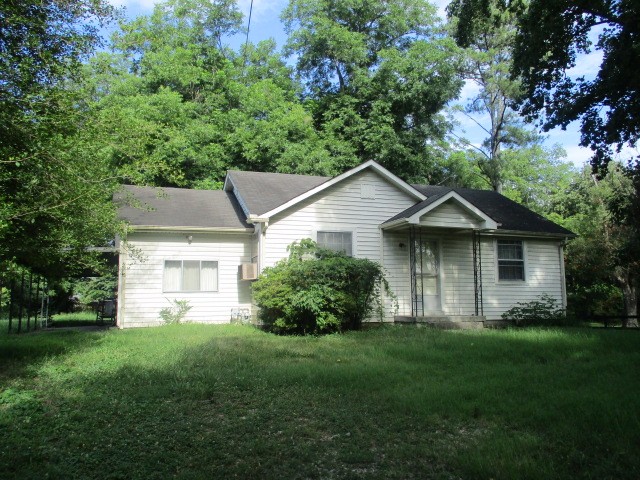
190, 276
336, 241
510, 260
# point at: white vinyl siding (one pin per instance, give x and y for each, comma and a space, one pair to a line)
143, 294
397, 271
190, 276
543, 273
450, 215
339, 208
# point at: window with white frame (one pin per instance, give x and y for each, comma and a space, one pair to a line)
510, 260
336, 241
190, 276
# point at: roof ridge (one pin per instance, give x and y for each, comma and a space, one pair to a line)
251, 172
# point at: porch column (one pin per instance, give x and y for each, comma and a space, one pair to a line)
477, 271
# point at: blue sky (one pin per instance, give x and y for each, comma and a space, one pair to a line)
265, 23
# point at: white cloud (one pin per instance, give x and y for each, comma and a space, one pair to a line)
587, 65
136, 5
441, 5
578, 155
262, 8
469, 90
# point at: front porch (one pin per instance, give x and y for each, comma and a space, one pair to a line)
440, 243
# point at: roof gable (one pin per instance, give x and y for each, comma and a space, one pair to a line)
452, 213
505, 213
414, 214
259, 192
290, 190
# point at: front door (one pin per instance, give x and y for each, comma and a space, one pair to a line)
427, 276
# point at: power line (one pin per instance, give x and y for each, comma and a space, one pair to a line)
246, 43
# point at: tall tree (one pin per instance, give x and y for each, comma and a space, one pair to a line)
377, 74
606, 254
486, 29
552, 34
536, 176
54, 197
181, 108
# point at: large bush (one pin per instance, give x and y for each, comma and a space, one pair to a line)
543, 311
318, 291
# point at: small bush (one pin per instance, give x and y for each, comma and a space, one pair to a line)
318, 291
542, 311
175, 313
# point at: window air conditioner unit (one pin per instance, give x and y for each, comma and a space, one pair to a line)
248, 271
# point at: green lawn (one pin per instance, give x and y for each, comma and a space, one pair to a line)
193, 402
75, 319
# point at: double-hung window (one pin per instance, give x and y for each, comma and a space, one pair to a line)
336, 241
190, 276
510, 260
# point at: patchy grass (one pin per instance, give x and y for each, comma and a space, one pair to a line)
193, 401
75, 319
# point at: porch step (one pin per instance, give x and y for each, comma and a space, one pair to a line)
446, 322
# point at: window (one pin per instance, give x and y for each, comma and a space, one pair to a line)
510, 260
190, 276
336, 241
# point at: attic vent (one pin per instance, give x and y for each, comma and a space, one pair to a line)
368, 190
248, 271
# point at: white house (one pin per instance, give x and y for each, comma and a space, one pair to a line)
450, 254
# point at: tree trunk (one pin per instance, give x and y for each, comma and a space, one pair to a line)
630, 296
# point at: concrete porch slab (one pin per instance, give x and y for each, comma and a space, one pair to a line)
446, 322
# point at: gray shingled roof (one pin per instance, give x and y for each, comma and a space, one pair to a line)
179, 207
507, 213
262, 192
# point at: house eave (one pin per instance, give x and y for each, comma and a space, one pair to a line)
524, 233
188, 229
229, 186
253, 219
395, 223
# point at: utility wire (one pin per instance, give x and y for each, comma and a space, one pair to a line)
246, 43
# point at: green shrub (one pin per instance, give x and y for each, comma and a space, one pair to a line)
318, 291
94, 289
542, 311
599, 298
175, 313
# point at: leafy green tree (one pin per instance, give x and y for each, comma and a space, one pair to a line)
377, 75
94, 289
160, 94
603, 261
54, 194
536, 176
180, 108
551, 37
552, 34
487, 30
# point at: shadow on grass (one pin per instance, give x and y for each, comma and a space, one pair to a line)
193, 402
19, 353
